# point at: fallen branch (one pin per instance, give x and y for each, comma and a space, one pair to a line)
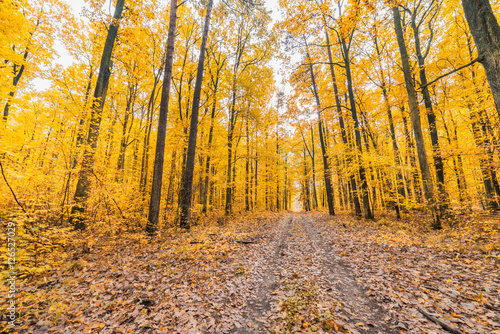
245, 242
12, 191
488, 306
443, 324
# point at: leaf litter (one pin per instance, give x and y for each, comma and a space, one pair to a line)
307, 273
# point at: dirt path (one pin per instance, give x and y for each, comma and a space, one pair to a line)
305, 279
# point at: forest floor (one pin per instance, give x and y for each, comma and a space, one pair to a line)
275, 273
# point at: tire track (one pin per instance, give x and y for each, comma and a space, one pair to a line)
357, 306
260, 306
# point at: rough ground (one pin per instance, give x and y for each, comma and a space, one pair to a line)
293, 273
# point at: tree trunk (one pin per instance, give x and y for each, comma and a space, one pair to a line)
357, 206
247, 168
485, 30
185, 193
313, 165
101, 89
362, 174
305, 185
415, 119
326, 167
207, 162
410, 148
431, 118
397, 159
154, 204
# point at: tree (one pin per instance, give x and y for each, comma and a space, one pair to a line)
326, 163
415, 119
154, 204
485, 30
431, 11
101, 89
185, 194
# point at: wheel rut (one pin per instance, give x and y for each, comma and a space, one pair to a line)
357, 306
304, 280
260, 306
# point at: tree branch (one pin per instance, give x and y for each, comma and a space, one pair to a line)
11, 190
441, 323
478, 59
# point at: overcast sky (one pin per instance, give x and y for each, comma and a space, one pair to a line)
66, 60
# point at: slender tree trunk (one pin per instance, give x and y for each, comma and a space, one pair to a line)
286, 184
154, 204
411, 160
123, 141
230, 130
362, 174
431, 118
247, 168
278, 203
252, 190
313, 165
256, 169
357, 206
326, 166
415, 118
83, 184
187, 177
207, 162
305, 185
395, 148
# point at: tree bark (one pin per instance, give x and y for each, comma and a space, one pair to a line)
352, 178
431, 118
185, 193
154, 204
415, 119
486, 33
101, 89
395, 148
361, 169
326, 166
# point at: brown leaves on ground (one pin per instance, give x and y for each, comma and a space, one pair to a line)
308, 273
444, 272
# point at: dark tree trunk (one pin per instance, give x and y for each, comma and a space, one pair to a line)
124, 139
207, 162
83, 184
230, 130
431, 118
326, 166
352, 178
305, 185
154, 204
485, 30
312, 155
362, 174
313, 165
415, 119
410, 147
185, 193
397, 159
247, 168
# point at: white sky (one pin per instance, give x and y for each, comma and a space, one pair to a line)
77, 5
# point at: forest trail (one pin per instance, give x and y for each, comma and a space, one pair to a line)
266, 273
304, 269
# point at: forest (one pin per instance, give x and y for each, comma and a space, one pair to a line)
250, 166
